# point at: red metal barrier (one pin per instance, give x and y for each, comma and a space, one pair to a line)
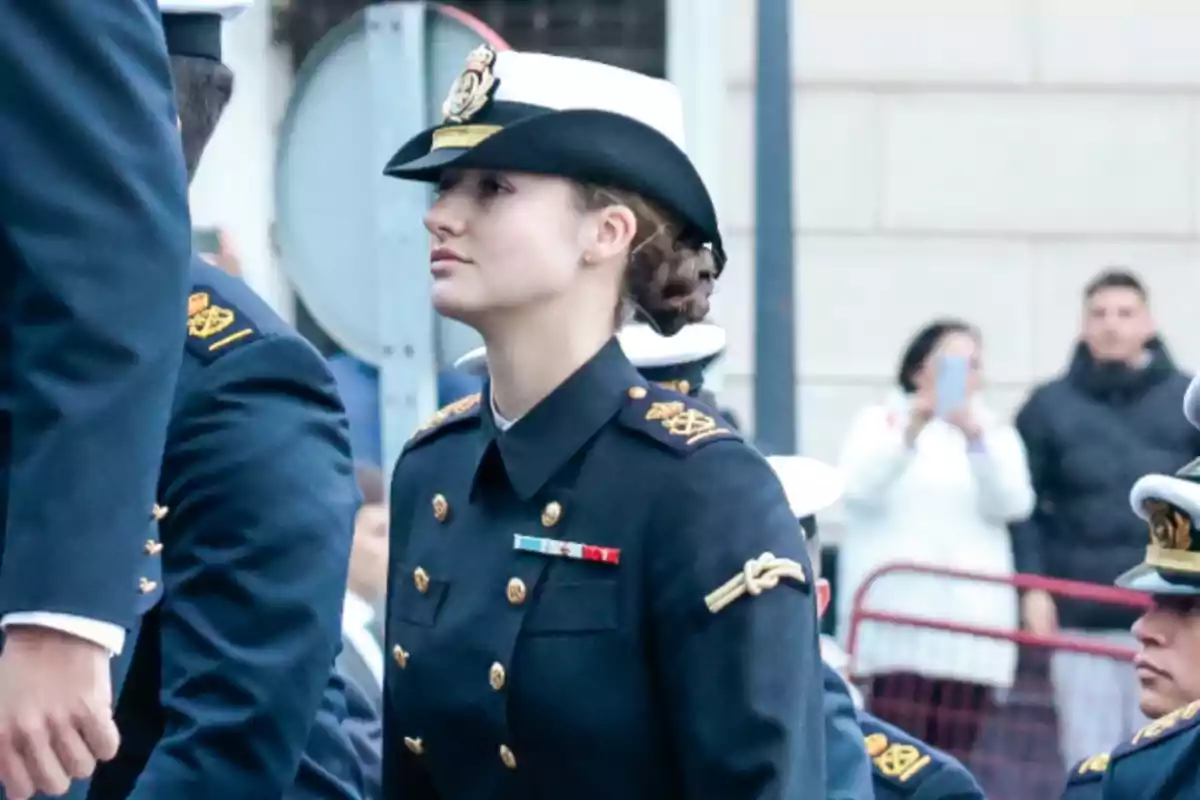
1008, 737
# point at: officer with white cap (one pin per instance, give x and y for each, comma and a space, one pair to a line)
1162, 760
866, 757
94, 243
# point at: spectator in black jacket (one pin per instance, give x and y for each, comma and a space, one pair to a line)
1114, 416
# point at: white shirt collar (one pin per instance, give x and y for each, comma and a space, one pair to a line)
356, 612
502, 422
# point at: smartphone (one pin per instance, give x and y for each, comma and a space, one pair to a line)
950, 387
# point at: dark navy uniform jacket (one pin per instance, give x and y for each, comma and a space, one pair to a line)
94, 242
1160, 762
554, 618
905, 767
847, 768
234, 664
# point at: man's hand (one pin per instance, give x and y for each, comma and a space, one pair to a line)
1040, 612
56, 715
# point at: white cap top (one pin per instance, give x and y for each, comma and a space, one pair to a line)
1181, 493
228, 9
561, 84
1191, 402
811, 486
474, 362
646, 347
643, 346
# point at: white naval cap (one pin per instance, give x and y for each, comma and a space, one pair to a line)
226, 9
572, 118
811, 485
1170, 504
646, 347
473, 362
1191, 402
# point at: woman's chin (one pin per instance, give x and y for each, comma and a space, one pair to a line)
450, 303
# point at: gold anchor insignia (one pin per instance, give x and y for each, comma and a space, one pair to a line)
901, 761
197, 302
1170, 529
209, 321
473, 88
454, 409
875, 744
679, 420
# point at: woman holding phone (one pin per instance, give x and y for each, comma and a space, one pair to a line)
933, 477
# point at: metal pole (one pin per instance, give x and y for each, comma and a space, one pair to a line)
775, 330
696, 31
407, 380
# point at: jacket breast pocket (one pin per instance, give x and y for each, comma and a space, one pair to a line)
418, 597
578, 607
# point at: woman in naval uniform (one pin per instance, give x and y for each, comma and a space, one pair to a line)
596, 589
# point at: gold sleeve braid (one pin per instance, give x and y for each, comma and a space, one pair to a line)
758, 575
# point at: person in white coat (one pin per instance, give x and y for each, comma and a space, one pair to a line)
935, 490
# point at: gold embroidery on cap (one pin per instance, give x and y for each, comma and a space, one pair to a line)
1170, 528
473, 88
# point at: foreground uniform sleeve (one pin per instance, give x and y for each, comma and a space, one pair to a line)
95, 240
262, 500
847, 767
744, 684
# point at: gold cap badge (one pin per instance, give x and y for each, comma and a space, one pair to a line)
1170, 528
473, 88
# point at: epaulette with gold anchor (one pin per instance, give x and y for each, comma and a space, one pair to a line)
681, 423
214, 326
446, 418
1161, 729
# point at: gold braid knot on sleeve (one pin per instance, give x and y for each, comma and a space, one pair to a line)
757, 576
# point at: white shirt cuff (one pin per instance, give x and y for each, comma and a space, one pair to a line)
109, 636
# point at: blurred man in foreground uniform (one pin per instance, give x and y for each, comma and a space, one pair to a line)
882, 757
231, 692
1162, 760
95, 239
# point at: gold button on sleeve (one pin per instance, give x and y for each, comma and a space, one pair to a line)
146, 586
400, 656
415, 745
153, 547
506, 755
637, 392
515, 591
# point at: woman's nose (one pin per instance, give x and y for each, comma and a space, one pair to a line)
442, 220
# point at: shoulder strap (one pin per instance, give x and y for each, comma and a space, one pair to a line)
680, 422
1162, 729
446, 418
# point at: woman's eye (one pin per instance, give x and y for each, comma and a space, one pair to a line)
490, 187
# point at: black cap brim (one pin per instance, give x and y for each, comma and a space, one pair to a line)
1150, 580
585, 145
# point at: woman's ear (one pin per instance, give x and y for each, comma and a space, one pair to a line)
823, 595
615, 227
